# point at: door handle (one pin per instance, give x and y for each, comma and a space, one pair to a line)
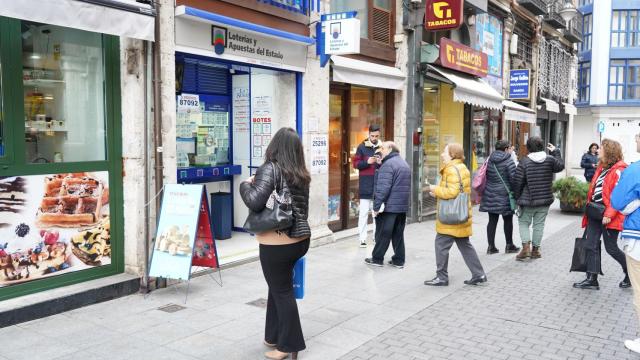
345, 158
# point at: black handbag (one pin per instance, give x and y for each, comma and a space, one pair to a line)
277, 213
579, 260
595, 211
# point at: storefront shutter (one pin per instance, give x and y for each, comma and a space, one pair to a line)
381, 25
205, 77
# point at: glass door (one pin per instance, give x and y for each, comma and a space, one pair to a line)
338, 160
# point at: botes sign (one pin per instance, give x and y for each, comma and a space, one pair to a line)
462, 58
443, 14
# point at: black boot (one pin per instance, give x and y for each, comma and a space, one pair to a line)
591, 282
511, 249
625, 283
492, 249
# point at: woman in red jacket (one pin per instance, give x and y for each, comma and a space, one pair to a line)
609, 225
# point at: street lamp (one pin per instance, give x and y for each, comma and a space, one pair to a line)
568, 11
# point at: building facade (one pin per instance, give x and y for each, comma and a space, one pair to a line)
608, 101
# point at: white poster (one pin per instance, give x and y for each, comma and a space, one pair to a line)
319, 150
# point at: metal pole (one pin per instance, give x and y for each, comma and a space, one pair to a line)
413, 23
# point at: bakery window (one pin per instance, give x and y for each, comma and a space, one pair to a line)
64, 97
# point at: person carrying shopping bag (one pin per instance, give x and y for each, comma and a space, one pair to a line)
284, 171
497, 197
602, 220
453, 225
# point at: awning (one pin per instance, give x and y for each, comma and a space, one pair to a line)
570, 109
364, 73
194, 14
551, 105
125, 18
516, 112
471, 90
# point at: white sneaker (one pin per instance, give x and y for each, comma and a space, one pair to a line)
633, 345
363, 244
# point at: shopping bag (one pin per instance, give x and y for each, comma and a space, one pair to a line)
298, 278
480, 179
579, 260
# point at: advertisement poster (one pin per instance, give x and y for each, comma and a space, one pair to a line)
319, 156
175, 236
488, 39
53, 224
334, 207
204, 251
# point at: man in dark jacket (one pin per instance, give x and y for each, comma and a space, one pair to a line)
495, 198
390, 206
532, 188
366, 162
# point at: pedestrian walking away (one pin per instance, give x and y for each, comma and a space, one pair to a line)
390, 206
532, 189
366, 160
589, 162
454, 175
626, 199
602, 220
279, 250
496, 197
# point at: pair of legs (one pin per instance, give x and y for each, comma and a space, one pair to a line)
443, 245
493, 224
282, 325
633, 266
595, 230
534, 217
366, 205
389, 229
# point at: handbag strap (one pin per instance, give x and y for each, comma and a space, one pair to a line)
500, 176
459, 178
275, 178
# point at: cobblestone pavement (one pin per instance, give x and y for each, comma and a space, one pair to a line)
526, 311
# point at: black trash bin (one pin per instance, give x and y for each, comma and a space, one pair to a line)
221, 215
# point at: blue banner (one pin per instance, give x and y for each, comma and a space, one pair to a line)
488, 39
519, 84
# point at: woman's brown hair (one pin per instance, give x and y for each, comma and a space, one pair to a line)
611, 153
456, 151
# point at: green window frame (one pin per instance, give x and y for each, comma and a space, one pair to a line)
13, 162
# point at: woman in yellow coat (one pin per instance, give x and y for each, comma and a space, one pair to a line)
452, 173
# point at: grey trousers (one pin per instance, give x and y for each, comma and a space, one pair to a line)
443, 245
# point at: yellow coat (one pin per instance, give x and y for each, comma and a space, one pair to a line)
449, 188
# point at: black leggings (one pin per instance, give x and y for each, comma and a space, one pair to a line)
282, 325
595, 230
493, 224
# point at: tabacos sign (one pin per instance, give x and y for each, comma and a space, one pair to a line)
462, 58
443, 14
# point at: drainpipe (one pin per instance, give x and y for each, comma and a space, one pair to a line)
144, 284
157, 120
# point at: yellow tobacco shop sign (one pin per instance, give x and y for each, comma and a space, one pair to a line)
443, 14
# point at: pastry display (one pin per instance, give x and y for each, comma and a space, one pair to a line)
72, 200
92, 244
35, 262
174, 241
12, 200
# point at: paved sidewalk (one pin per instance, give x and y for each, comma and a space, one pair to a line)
352, 311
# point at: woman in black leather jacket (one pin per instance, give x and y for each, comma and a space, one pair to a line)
279, 250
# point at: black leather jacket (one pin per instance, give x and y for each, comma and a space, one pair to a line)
256, 194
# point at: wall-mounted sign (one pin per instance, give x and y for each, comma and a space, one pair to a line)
341, 35
443, 14
488, 39
429, 53
235, 44
462, 58
519, 84
319, 154
601, 126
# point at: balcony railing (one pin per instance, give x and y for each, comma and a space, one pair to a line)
553, 17
537, 7
574, 32
297, 6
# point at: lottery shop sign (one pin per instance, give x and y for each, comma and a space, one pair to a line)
462, 58
443, 14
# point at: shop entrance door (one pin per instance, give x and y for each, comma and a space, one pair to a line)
338, 159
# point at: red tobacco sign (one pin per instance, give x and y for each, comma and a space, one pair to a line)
462, 58
443, 14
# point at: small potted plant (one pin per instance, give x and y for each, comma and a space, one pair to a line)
572, 194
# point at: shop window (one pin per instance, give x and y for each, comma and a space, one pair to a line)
582, 3
64, 96
376, 17
624, 80
584, 82
625, 28
299, 6
587, 30
2, 123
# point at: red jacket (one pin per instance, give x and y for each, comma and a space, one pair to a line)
610, 182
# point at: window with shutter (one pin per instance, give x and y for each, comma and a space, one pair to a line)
381, 25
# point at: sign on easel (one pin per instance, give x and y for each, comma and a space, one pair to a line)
184, 235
